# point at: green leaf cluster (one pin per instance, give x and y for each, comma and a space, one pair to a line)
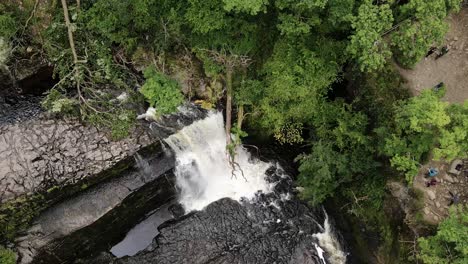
57, 103
7, 256
422, 124
341, 153
450, 244
8, 26
424, 27
251, 7
161, 92
367, 45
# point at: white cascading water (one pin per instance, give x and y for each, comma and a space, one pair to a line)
204, 175
203, 172
328, 241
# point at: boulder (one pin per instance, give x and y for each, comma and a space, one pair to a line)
431, 194
427, 210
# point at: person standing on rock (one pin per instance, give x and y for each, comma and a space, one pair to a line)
454, 199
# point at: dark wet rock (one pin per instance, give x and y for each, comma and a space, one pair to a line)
267, 230
44, 161
38, 81
15, 109
177, 210
228, 232
170, 124
56, 159
99, 217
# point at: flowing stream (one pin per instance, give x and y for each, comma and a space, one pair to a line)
204, 175
203, 171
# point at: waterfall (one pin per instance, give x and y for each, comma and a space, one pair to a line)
329, 242
203, 172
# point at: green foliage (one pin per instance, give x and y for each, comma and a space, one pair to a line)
296, 80
161, 92
406, 164
421, 124
7, 256
152, 23
205, 16
8, 26
454, 5
450, 244
341, 153
251, 7
8, 29
424, 27
318, 172
16, 215
377, 92
290, 133
57, 103
367, 45
88, 89
453, 142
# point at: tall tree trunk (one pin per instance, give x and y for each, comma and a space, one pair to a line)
240, 116
228, 104
70, 32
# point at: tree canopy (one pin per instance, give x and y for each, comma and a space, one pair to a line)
450, 244
316, 74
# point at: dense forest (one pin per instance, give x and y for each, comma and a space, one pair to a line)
316, 75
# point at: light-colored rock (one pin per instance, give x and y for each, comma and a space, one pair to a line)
431, 194
448, 178
41, 151
437, 204
58, 149
426, 210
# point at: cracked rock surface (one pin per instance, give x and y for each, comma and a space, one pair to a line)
38, 154
41, 153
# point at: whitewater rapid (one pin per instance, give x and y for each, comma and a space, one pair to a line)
204, 175
203, 172
328, 242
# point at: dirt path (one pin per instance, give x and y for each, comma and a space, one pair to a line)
452, 68
437, 198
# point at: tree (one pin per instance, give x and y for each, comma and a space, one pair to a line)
422, 124
340, 152
152, 24
424, 26
453, 142
367, 45
450, 244
7, 256
296, 80
225, 40
251, 7
161, 92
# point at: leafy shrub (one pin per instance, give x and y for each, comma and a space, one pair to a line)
450, 244
8, 26
7, 256
56, 103
161, 92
